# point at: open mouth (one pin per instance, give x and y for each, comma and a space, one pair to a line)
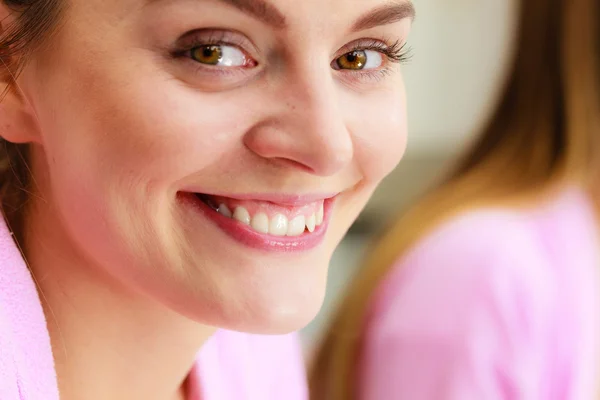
267, 222
269, 218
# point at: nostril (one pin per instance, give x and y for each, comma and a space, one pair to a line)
314, 145
286, 162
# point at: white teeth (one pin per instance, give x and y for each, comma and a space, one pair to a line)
278, 225
311, 222
320, 215
224, 210
242, 215
296, 226
260, 223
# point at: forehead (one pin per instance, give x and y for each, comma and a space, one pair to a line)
280, 14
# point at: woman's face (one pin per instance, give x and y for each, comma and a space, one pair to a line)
212, 153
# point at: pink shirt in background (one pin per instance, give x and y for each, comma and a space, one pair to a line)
495, 304
230, 366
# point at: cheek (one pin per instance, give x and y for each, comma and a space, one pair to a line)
379, 130
124, 116
144, 130
380, 133
116, 148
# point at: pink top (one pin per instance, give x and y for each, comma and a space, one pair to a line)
230, 366
494, 304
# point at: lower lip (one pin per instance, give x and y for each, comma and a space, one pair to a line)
265, 242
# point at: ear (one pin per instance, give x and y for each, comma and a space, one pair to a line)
18, 122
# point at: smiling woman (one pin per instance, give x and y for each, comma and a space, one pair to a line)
177, 174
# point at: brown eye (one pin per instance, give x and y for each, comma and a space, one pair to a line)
355, 60
358, 60
221, 55
208, 54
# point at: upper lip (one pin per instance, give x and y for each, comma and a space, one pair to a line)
277, 198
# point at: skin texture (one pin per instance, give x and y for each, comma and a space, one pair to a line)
118, 125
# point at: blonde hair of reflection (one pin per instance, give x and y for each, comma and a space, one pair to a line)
543, 136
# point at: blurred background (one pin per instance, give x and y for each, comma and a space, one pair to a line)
461, 51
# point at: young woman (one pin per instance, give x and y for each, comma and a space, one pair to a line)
171, 167
489, 288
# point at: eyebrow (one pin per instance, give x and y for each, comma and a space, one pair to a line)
386, 14
383, 15
260, 10
264, 11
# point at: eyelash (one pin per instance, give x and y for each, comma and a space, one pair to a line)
398, 52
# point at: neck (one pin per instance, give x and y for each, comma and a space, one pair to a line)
108, 341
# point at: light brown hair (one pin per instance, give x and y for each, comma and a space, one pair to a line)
543, 136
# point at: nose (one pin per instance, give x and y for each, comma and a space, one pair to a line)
305, 128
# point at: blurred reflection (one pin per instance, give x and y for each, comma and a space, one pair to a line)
488, 287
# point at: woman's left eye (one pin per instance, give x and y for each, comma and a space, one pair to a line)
219, 55
359, 59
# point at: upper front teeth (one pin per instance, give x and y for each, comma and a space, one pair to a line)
278, 225
260, 223
296, 226
240, 214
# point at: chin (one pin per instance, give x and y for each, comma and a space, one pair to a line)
281, 323
280, 316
